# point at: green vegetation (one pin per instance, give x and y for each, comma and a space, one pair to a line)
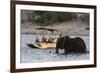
45, 18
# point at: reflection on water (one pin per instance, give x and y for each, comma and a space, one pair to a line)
45, 55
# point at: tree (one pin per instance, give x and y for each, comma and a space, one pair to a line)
45, 18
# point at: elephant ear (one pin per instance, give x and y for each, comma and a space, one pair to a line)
58, 43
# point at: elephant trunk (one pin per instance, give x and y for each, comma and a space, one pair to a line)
57, 51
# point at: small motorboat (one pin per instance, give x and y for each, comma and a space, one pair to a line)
44, 44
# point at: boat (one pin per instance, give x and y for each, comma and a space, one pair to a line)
44, 44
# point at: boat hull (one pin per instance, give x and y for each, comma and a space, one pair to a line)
42, 45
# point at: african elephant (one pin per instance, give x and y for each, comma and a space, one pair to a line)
70, 45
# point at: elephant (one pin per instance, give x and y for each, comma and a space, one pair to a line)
70, 45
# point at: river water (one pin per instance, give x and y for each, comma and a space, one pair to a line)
33, 55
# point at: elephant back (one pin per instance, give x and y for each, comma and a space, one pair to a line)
75, 45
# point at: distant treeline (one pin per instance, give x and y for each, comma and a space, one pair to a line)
45, 18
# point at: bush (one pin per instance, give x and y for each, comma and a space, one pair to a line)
45, 18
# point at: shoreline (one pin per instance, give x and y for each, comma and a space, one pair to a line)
55, 35
65, 28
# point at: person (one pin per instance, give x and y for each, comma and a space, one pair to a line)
50, 40
44, 39
37, 40
60, 35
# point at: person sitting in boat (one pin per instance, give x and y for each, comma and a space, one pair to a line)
37, 40
44, 39
50, 40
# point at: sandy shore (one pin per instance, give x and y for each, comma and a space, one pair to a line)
67, 28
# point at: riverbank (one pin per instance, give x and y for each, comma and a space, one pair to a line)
66, 28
